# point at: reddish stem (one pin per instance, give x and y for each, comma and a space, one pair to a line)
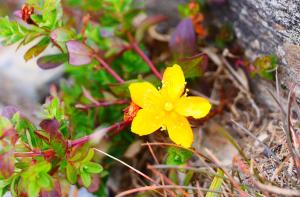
102, 104
140, 52
108, 69
28, 154
117, 126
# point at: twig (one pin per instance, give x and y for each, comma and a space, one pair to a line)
139, 51
259, 141
232, 180
125, 164
108, 68
167, 180
102, 104
154, 187
290, 131
94, 137
199, 170
156, 161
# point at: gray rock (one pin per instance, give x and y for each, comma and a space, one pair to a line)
268, 27
21, 82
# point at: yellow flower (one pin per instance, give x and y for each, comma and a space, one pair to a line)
167, 108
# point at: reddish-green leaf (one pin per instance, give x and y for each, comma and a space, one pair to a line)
37, 49
52, 61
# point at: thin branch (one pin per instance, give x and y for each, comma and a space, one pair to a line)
157, 162
102, 104
94, 137
127, 165
168, 181
256, 139
108, 68
154, 187
97, 135
139, 51
290, 131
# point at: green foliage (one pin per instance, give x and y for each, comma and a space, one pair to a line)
224, 36
84, 168
37, 49
265, 65
11, 31
133, 64
177, 156
54, 109
36, 177
51, 13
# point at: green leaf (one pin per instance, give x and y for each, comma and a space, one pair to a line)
178, 156
25, 129
51, 11
61, 35
44, 180
33, 189
89, 156
216, 184
92, 168
132, 63
37, 49
4, 182
54, 109
86, 179
11, 32
264, 65
4, 124
193, 67
71, 174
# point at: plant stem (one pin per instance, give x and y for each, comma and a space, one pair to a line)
108, 69
95, 136
140, 52
102, 104
77, 142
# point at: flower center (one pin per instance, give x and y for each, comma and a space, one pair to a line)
168, 106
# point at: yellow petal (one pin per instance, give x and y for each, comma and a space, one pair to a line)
179, 130
194, 106
145, 95
173, 82
147, 121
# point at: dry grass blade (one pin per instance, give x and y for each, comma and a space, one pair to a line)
256, 139
154, 187
125, 164
289, 131
202, 170
231, 179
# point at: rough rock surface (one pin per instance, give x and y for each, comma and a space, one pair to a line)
269, 27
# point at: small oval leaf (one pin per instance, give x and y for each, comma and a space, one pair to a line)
86, 179
37, 49
71, 174
52, 61
92, 168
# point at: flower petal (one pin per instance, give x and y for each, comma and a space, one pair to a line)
145, 95
194, 106
147, 121
173, 82
179, 130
